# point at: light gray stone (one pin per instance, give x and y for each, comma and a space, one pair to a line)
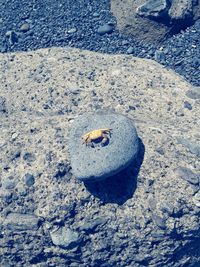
64, 237
99, 162
21, 222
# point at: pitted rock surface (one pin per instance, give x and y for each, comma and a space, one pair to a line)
96, 163
154, 222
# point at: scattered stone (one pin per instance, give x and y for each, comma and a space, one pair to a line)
196, 199
24, 27
5, 195
73, 30
8, 182
29, 179
12, 36
187, 175
106, 28
193, 147
94, 161
65, 237
130, 50
187, 105
152, 8
29, 157
21, 222
160, 56
3, 105
194, 93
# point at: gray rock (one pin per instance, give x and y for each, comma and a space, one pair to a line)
29, 157
72, 30
194, 93
29, 179
98, 162
130, 50
21, 222
187, 175
106, 28
181, 10
3, 105
24, 27
193, 147
9, 182
64, 237
152, 8
187, 105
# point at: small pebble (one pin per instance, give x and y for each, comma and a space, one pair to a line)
29, 157
64, 237
24, 27
29, 179
187, 105
73, 30
196, 199
106, 28
130, 50
9, 182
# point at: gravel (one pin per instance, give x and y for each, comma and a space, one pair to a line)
29, 25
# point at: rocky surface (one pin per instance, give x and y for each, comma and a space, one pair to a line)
28, 25
147, 215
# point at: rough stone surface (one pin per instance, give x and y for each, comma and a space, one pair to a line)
99, 162
21, 222
152, 21
146, 216
64, 237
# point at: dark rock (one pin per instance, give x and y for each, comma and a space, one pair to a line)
29, 157
187, 105
106, 28
160, 150
65, 237
3, 105
21, 222
12, 36
187, 175
9, 182
95, 162
160, 56
29, 179
153, 8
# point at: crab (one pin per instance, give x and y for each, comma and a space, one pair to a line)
94, 135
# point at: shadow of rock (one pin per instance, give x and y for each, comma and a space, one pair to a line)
120, 187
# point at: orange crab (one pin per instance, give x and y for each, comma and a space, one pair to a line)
94, 135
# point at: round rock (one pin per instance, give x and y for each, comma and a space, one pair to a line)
106, 28
94, 161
